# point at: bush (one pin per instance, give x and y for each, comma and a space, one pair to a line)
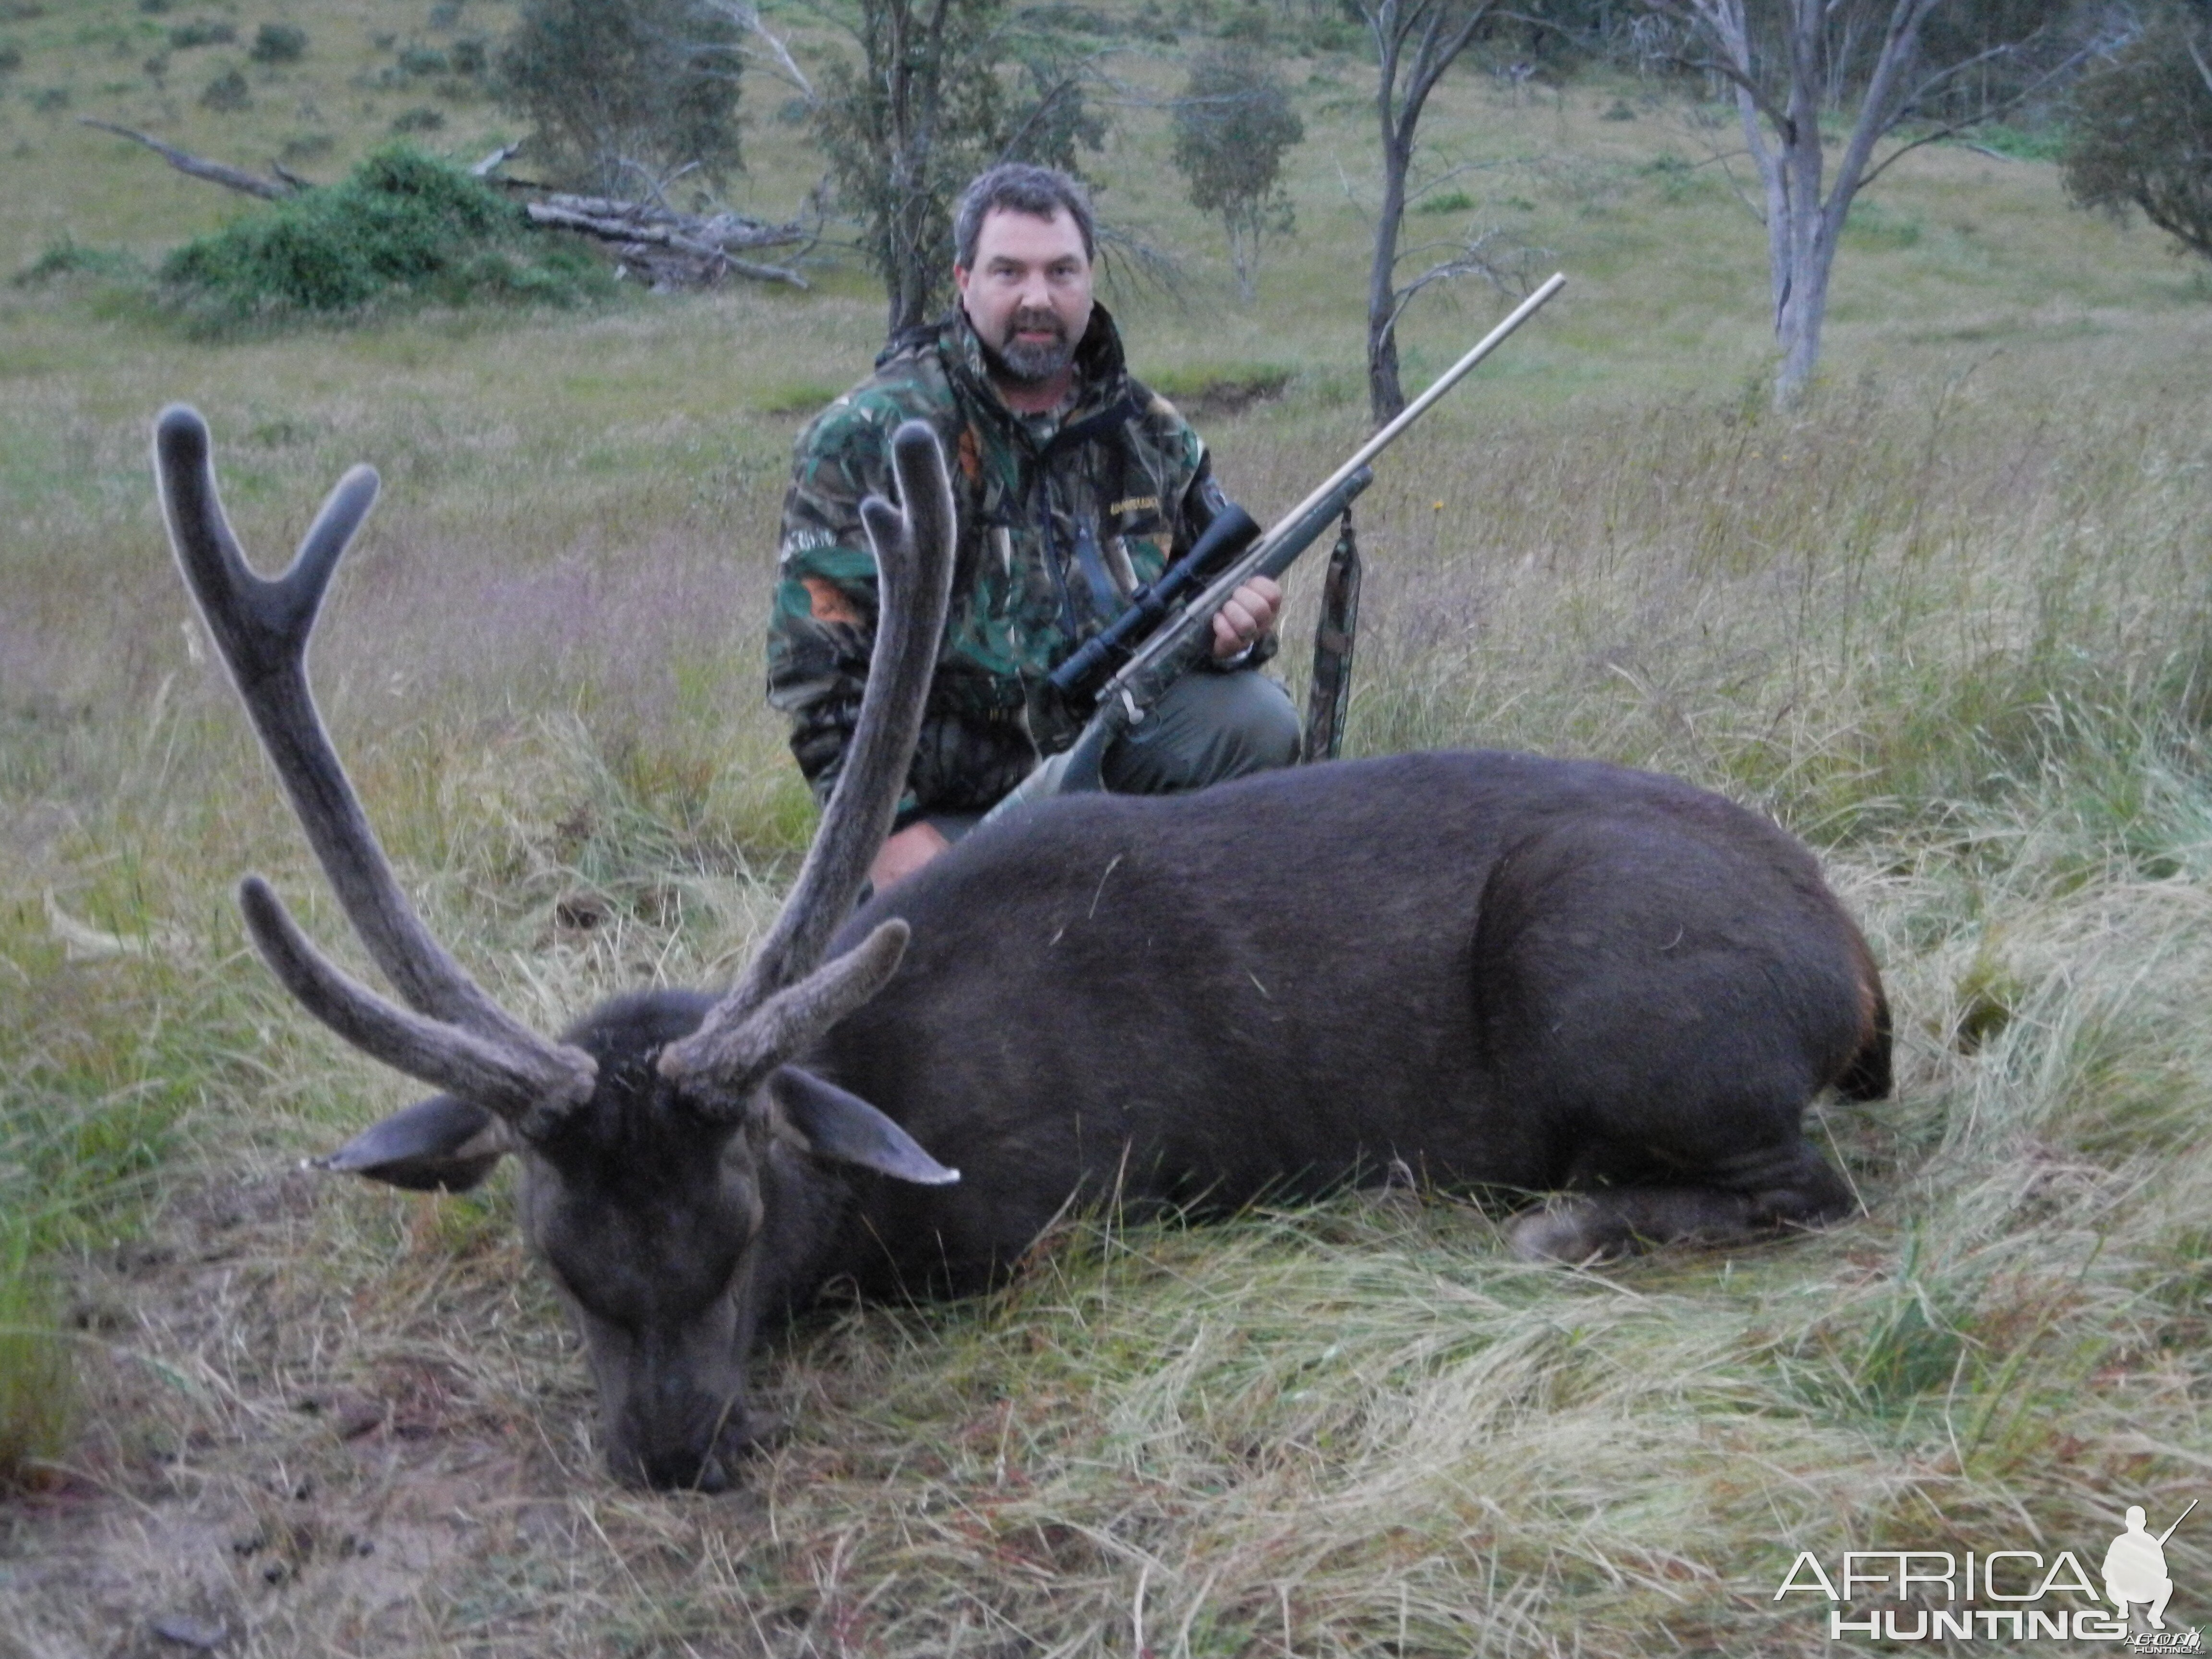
11, 57
228, 91
404, 226
201, 33
652, 81
422, 118
2141, 132
278, 43
66, 261
1232, 125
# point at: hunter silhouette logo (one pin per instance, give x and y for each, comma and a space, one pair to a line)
2135, 1567
2013, 1596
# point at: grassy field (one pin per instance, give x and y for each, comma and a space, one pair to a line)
1951, 622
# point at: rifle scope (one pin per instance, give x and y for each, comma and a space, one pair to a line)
1078, 678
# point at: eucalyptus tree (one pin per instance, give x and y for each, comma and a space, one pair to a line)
1787, 62
1415, 41
1232, 127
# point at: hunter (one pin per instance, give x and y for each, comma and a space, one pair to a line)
1073, 485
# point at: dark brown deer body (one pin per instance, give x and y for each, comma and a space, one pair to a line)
1498, 969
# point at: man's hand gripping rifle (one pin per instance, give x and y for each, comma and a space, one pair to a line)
1125, 670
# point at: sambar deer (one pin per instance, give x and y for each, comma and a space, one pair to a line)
1494, 968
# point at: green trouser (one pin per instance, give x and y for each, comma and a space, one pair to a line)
1210, 727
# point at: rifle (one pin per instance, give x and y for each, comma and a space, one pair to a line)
1126, 669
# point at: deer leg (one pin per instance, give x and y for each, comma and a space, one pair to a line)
1748, 1198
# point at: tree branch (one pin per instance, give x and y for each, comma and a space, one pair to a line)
748, 18
215, 173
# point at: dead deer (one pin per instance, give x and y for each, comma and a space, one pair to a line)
1498, 969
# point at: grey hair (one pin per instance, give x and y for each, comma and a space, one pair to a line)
1020, 187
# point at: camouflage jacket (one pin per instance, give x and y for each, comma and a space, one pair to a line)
1061, 516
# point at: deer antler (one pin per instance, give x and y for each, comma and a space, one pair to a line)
787, 997
458, 1038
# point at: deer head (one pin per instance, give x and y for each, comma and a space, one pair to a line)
659, 1135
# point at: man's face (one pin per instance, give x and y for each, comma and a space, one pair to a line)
1028, 296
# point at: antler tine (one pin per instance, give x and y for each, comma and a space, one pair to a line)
722, 1063
913, 548
529, 1086
262, 627
754, 1029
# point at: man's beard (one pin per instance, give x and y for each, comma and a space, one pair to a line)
1030, 362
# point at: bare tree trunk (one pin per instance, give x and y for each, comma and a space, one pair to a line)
1436, 32
1386, 394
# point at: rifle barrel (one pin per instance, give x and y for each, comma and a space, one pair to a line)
1445, 382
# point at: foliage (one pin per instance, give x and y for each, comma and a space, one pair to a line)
405, 224
928, 107
2045, 142
68, 261
278, 43
1232, 127
619, 87
2140, 133
228, 91
201, 33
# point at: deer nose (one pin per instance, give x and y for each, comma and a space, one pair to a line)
687, 1471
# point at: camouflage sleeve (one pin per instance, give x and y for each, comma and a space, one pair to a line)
823, 623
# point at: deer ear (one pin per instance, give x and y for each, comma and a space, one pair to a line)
439, 1144
843, 1126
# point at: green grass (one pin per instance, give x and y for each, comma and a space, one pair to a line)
1953, 622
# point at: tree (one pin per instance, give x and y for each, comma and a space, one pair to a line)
1231, 128
1787, 60
2140, 129
930, 108
1415, 42
626, 91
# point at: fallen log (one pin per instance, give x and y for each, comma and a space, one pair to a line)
198, 166
664, 248
634, 232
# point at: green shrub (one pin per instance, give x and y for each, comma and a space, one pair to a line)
2044, 144
279, 43
228, 91
201, 33
68, 261
11, 57
422, 118
2141, 132
403, 225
